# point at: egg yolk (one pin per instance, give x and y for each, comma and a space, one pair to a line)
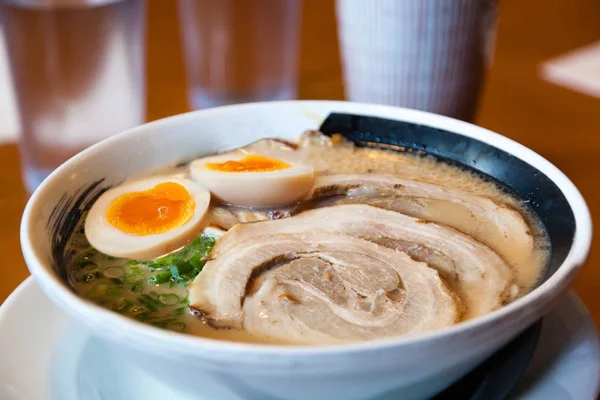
164, 207
250, 163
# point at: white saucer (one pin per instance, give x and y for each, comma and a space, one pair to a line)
44, 356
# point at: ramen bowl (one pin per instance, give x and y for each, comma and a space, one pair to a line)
418, 366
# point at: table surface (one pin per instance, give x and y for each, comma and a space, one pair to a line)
560, 124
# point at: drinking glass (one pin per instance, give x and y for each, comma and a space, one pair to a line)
78, 73
429, 55
238, 51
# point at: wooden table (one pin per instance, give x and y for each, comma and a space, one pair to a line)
561, 125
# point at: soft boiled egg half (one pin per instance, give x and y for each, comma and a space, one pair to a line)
147, 218
253, 180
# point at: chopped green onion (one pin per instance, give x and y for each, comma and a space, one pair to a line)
159, 278
184, 266
154, 265
196, 261
99, 291
122, 305
135, 270
137, 287
179, 311
138, 262
114, 272
160, 309
161, 262
134, 278
149, 302
168, 299
187, 278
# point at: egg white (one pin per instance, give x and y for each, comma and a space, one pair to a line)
254, 189
109, 240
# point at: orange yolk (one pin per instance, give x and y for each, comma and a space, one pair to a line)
164, 207
251, 163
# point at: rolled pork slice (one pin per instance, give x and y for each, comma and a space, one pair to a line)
496, 224
481, 278
318, 288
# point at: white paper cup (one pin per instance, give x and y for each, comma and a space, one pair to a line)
429, 55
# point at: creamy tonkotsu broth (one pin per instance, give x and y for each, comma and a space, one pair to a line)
370, 243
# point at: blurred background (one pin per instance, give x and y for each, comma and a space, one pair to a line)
529, 70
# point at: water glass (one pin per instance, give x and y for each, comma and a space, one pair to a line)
78, 73
238, 51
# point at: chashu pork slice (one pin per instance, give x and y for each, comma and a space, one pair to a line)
482, 279
318, 288
498, 225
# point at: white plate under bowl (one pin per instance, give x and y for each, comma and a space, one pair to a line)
45, 356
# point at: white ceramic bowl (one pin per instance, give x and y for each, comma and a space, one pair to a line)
421, 366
